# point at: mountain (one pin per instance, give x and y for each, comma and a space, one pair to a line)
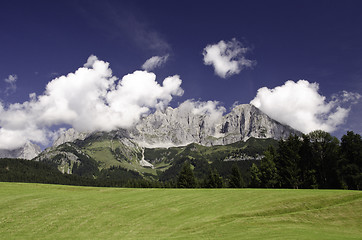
27, 151
100, 150
177, 127
174, 127
69, 135
158, 144
66, 157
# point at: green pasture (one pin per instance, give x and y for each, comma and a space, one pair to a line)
40, 211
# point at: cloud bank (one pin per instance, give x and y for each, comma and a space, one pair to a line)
89, 99
299, 105
154, 62
93, 99
227, 58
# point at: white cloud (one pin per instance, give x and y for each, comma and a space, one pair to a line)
210, 109
89, 99
201, 108
91, 60
11, 81
299, 105
154, 62
346, 97
228, 58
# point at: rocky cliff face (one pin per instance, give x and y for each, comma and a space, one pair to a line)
246, 121
172, 127
176, 127
28, 151
69, 136
180, 126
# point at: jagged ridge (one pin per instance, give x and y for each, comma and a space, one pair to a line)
174, 127
28, 151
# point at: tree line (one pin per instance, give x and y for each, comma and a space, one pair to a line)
314, 160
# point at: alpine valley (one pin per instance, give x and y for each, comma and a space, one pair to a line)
157, 146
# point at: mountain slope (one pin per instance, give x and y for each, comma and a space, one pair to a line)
179, 127
98, 151
28, 151
159, 144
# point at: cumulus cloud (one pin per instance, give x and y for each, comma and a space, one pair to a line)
11, 81
89, 99
299, 105
210, 109
227, 58
90, 61
154, 62
211, 112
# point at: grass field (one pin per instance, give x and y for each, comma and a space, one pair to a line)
36, 211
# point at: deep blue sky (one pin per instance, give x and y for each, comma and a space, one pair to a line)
320, 41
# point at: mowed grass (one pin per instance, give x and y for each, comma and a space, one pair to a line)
40, 211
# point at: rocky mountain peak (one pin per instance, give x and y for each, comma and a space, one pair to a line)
69, 135
182, 125
27, 151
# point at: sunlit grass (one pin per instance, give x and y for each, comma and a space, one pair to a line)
36, 211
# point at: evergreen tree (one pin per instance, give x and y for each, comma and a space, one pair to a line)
268, 170
308, 172
186, 178
325, 153
288, 161
236, 180
214, 180
351, 160
254, 176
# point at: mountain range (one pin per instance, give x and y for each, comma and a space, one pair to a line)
161, 139
180, 127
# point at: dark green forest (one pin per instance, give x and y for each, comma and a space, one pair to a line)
314, 160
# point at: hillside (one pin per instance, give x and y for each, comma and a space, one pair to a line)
165, 136
37, 211
27, 151
156, 147
102, 151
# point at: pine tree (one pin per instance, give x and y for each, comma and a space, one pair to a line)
254, 176
186, 178
351, 160
288, 161
307, 164
236, 180
214, 180
325, 152
268, 170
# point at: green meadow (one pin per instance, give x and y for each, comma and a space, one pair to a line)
41, 211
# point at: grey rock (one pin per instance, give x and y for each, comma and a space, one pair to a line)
28, 151
178, 127
181, 126
70, 135
61, 155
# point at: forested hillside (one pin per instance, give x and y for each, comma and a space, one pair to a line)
315, 160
